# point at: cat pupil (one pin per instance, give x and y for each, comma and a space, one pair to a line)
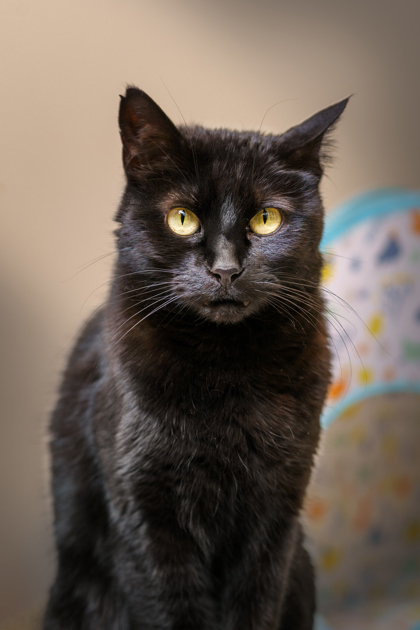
265, 216
182, 215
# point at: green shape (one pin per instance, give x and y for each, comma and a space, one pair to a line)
364, 473
410, 566
411, 350
415, 255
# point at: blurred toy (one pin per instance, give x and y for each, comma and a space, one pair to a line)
363, 506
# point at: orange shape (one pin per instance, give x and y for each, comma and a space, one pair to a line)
316, 509
363, 348
337, 388
389, 373
415, 221
402, 486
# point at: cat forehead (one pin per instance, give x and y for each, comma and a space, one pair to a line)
231, 163
224, 143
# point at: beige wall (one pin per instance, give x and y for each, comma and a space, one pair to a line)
64, 62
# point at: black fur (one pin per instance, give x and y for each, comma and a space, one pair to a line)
188, 418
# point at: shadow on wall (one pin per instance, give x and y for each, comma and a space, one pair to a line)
25, 548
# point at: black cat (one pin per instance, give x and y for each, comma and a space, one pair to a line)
184, 435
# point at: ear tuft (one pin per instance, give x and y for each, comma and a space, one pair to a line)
150, 139
305, 145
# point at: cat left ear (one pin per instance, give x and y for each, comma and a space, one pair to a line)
150, 139
305, 146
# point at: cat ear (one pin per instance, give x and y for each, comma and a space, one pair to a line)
150, 140
306, 145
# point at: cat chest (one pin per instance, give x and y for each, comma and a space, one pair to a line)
209, 467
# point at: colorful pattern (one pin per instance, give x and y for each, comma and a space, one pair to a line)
372, 284
362, 513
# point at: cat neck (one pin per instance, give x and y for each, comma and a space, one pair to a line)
177, 337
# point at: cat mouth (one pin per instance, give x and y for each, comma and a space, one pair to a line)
222, 303
225, 310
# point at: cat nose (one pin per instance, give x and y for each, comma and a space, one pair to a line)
225, 265
226, 276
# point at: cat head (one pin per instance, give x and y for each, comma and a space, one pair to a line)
220, 224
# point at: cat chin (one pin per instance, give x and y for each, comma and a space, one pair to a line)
226, 313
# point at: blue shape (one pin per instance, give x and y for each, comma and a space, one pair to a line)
375, 536
391, 250
394, 298
321, 623
352, 599
355, 264
363, 294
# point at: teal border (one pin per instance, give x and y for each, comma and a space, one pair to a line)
321, 623
376, 389
365, 206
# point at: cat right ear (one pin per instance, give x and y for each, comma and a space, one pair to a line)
306, 145
150, 140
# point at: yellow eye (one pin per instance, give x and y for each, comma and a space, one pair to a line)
183, 221
266, 221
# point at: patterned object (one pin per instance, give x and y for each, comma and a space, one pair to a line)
362, 511
362, 515
372, 282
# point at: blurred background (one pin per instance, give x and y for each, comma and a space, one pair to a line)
226, 63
